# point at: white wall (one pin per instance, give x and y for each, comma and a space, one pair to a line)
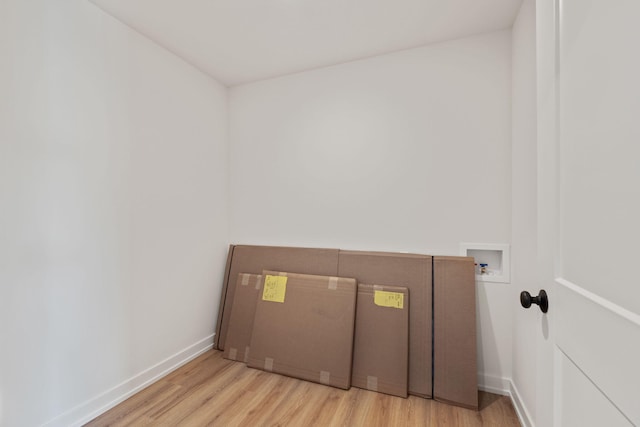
524, 206
403, 152
113, 224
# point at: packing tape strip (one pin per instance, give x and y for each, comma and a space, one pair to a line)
325, 377
233, 353
259, 282
245, 279
246, 354
372, 383
282, 273
268, 364
333, 283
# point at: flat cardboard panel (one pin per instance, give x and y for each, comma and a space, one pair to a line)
254, 259
309, 335
223, 297
455, 365
381, 342
414, 273
241, 321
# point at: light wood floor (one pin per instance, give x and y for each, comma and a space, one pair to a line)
212, 391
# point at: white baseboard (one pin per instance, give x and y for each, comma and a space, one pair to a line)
521, 410
106, 400
506, 387
494, 384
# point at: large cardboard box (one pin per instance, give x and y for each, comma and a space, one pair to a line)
241, 321
254, 259
303, 327
381, 341
455, 368
414, 273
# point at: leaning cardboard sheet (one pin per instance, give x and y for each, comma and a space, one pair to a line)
303, 327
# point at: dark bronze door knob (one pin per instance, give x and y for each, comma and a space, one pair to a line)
526, 300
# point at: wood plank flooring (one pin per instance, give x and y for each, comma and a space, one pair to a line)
212, 391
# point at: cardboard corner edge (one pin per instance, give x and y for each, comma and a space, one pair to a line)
223, 297
472, 406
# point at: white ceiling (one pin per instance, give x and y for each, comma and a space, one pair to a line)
238, 41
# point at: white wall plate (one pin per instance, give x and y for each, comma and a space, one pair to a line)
495, 255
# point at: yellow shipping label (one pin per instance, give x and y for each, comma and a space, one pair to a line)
388, 299
275, 287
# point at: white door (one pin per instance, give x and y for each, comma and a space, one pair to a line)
589, 211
